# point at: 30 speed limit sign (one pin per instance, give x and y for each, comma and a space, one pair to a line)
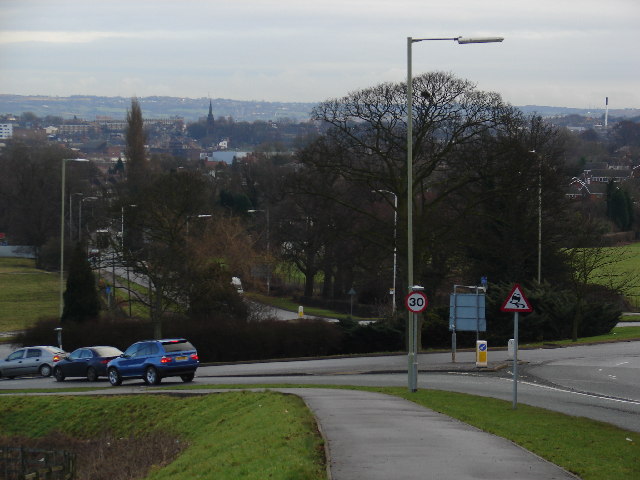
416, 302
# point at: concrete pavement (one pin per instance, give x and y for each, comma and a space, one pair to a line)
371, 436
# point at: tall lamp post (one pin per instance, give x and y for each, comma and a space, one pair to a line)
80, 215
268, 248
71, 214
395, 246
413, 324
539, 216
126, 263
64, 163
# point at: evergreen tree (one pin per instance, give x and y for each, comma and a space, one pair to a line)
81, 300
619, 207
137, 163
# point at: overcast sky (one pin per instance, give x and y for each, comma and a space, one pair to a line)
570, 53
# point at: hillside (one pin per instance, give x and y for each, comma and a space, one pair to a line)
90, 107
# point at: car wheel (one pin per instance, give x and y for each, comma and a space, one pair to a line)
114, 377
187, 377
45, 370
57, 372
92, 375
151, 376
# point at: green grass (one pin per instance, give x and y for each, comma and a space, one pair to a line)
617, 334
230, 435
288, 304
26, 294
624, 267
267, 435
590, 449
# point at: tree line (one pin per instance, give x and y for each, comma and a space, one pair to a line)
488, 200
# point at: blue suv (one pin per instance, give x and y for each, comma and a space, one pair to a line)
152, 360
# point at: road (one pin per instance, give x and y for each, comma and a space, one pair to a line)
601, 382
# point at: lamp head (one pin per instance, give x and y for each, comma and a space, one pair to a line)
465, 40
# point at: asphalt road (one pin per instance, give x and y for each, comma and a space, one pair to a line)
601, 382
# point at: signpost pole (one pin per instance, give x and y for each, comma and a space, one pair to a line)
413, 355
515, 359
416, 302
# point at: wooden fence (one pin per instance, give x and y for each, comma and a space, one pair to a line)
17, 463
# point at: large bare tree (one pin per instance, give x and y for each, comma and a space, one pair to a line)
367, 144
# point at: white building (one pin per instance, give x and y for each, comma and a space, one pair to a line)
6, 131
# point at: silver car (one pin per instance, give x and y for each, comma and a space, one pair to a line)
31, 360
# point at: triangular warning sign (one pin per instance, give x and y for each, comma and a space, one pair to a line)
516, 301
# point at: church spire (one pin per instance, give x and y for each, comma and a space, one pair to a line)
210, 122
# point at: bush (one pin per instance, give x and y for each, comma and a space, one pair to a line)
553, 313
215, 341
374, 337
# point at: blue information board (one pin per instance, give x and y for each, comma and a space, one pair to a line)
467, 312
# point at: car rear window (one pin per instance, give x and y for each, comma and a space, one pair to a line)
177, 346
107, 351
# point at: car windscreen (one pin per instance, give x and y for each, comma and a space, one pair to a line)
107, 351
177, 346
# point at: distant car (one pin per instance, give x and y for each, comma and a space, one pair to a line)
153, 360
31, 360
237, 284
90, 362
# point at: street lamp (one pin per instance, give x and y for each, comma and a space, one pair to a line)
539, 216
413, 324
395, 245
80, 215
268, 249
70, 213
126, 263
196, 216
64, 163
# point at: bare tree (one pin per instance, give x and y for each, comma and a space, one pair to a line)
367, 140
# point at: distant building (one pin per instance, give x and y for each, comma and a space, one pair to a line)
6, 131
210, 121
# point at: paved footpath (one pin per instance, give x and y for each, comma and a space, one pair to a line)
372, 436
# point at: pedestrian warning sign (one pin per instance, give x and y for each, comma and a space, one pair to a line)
516, 301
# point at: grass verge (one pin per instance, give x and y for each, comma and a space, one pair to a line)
288, 304
590, 449
26, 294
230, 435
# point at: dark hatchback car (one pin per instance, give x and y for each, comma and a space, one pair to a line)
153, 360
90, 362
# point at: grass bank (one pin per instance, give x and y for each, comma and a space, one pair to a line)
590, 449
229, 436
244, 434
26, 294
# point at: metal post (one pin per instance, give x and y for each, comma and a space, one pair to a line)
412, 327
62, 240
515, 359
411, 357
540, 220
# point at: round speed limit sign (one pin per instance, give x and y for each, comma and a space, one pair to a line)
416, 302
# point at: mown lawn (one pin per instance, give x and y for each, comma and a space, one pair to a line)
228, 436
26, 294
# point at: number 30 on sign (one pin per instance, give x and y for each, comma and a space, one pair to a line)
416, 302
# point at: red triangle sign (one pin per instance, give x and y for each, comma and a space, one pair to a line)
516, 301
